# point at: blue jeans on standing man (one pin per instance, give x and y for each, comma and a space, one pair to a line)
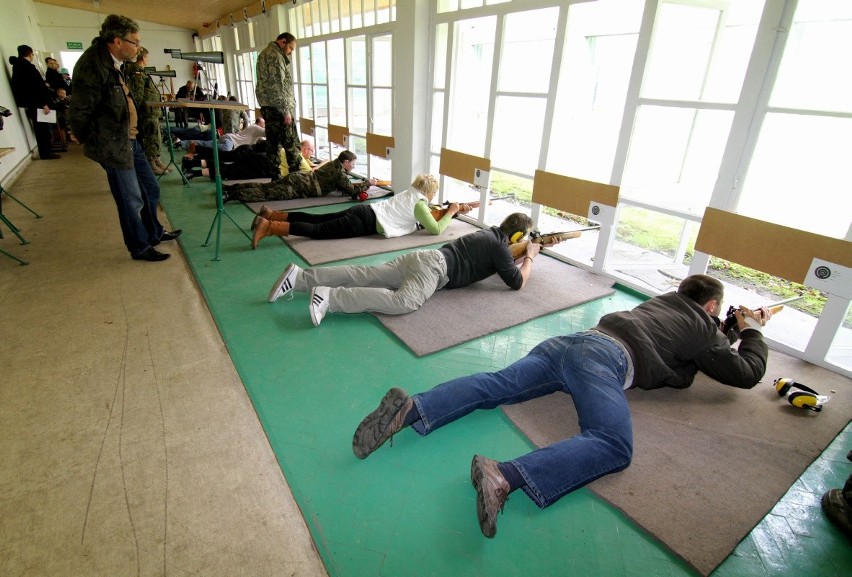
590, 367
137, 195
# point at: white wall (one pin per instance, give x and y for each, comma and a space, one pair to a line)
47, 29
17, 26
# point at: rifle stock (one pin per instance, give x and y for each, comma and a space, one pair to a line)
438, 212
519, 248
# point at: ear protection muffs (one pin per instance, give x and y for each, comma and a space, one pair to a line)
804, 398
517, 237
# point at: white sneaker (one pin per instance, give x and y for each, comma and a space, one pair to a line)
319, 303
285, 283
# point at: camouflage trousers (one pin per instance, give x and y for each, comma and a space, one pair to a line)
284, 134
150, 137
294, 185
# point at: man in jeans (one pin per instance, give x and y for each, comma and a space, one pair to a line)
663, 342
105, 119
277, 100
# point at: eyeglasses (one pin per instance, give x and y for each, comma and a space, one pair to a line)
134, 42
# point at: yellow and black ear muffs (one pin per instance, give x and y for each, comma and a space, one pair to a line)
517, 236
805, 398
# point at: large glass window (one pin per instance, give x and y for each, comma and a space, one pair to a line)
600, 43
803, 148
331, 16
245, 65
473, 57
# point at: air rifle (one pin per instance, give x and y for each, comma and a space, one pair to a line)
519, 248
729, 325
438, 211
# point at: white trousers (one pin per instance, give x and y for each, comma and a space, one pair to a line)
396, 287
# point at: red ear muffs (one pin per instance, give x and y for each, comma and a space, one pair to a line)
804, 398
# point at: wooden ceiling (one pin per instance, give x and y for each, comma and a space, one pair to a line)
199, 16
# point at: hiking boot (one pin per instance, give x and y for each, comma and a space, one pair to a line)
285, 283
319, 302
383, 423
492, 492
838, 511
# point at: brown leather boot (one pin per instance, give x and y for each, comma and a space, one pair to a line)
266, 228
160, 165
156, 169
269, 214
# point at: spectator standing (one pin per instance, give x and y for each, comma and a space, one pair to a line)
104, 119
277, 100
144, 90
32, 94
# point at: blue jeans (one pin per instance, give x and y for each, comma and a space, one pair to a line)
137, 195
224, 144
587, 366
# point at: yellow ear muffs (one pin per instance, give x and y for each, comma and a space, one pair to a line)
805, 401
517, 237
809, 399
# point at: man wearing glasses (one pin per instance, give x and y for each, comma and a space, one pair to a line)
105, 119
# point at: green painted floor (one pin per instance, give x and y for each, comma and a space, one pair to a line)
409, 509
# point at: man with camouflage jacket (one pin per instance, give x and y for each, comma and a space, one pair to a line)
143, 90
277, 100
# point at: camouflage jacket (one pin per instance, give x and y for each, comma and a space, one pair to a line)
333, 177
142, 88
275, 80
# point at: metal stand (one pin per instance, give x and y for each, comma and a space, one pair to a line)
5, 220
220, 205
172, 150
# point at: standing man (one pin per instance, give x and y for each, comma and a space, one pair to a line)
32, 93
663, 342
104, 119
53, 77
143, 90
278, 102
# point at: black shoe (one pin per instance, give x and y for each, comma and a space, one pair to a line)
226, 195
152, 255
171, 235
50, 157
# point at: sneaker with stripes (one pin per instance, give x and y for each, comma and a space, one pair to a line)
285, 283
319, 304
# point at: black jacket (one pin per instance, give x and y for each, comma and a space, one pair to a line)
670, 338
474, 257
28, 87
99, 115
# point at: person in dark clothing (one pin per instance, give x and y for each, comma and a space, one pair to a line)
189, 90
32, 94
105, 119
405, 283
54, 78
328, 178
663, 342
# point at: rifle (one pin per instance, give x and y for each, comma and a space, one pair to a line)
438, 211
729, 325
519, 248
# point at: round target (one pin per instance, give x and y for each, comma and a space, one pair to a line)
822, 272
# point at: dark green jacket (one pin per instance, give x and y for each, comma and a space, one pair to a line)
99, 116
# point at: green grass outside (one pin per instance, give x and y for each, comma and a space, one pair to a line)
661, 233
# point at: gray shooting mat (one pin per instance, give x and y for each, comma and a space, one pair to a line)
331, 198
324, 251
710, 461
452, 317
